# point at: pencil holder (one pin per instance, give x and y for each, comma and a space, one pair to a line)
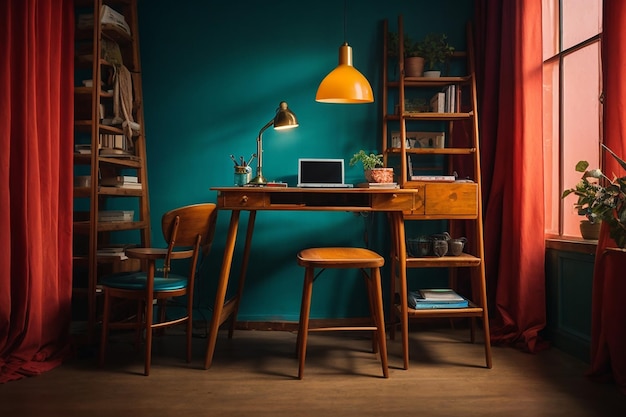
242, 175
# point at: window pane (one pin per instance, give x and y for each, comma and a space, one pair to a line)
551, 145
581, 21
581, 123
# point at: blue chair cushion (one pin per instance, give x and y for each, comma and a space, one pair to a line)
137, 281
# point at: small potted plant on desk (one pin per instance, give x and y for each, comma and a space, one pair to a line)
373, 167
601, 203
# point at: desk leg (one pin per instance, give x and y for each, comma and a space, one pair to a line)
397, 225
242, 275
222, 285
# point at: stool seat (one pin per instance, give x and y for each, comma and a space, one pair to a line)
369, 262
340, 258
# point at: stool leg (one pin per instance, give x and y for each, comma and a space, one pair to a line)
303, 327
370, 299
379, 317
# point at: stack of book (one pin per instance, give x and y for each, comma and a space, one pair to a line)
446, 101
121, 181
116, 215
113, 253
436, 298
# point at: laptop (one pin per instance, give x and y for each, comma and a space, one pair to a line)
321, 173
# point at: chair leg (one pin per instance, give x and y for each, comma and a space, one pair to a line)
105, 327
378, 316
303, 327
189, 332
148, 330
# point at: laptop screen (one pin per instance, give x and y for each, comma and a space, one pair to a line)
320, 172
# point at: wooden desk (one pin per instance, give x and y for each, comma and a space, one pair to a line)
252, 199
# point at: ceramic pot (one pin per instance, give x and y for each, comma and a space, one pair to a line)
413, 66
432, 74
379, 175
456, 246
590, 230
440, 247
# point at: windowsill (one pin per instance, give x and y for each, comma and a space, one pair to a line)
571, 244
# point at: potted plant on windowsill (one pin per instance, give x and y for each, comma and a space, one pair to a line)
436, 52
373, 167
601, 199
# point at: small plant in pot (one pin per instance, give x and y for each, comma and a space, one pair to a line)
413, 61
436, 52
601, 199
373, 167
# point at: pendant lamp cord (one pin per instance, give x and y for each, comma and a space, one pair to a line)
345, 20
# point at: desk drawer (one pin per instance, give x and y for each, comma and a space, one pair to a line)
242, 200
394, 201
451, 199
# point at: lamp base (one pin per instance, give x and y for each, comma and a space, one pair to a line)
258, 180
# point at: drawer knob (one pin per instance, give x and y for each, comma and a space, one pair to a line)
244, 199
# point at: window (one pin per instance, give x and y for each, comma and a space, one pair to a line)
571, 103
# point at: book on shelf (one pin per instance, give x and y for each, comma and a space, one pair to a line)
119, 179
134, 186
450, 98
438, 103
432, 306
116, 215
436, 298
433, 178
378, 185
440, 294
113, 252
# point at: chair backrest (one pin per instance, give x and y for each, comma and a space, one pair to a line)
190, 226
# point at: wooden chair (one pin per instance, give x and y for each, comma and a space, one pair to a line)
187, 231
342, 257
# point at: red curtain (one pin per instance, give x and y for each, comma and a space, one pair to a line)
509, 77
36, 168
608, 339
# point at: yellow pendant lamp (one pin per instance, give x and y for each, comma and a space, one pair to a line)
345, 84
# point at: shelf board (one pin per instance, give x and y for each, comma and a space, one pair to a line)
430, 81
119, 191
429, 151
463, 260
472, 311
117, 226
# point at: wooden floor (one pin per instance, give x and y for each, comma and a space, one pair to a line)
254, 375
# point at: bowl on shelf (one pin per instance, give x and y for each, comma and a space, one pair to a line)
419, 246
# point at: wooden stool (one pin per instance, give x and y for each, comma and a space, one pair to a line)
325, 258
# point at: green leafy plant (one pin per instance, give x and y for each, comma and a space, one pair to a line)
410, 48
602, 199
369, 161
435, 50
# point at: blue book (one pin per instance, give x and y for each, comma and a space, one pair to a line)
425, 305
428, 299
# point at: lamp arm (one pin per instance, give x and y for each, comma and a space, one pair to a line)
260, 179
259, 148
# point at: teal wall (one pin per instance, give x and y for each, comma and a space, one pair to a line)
213, 75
